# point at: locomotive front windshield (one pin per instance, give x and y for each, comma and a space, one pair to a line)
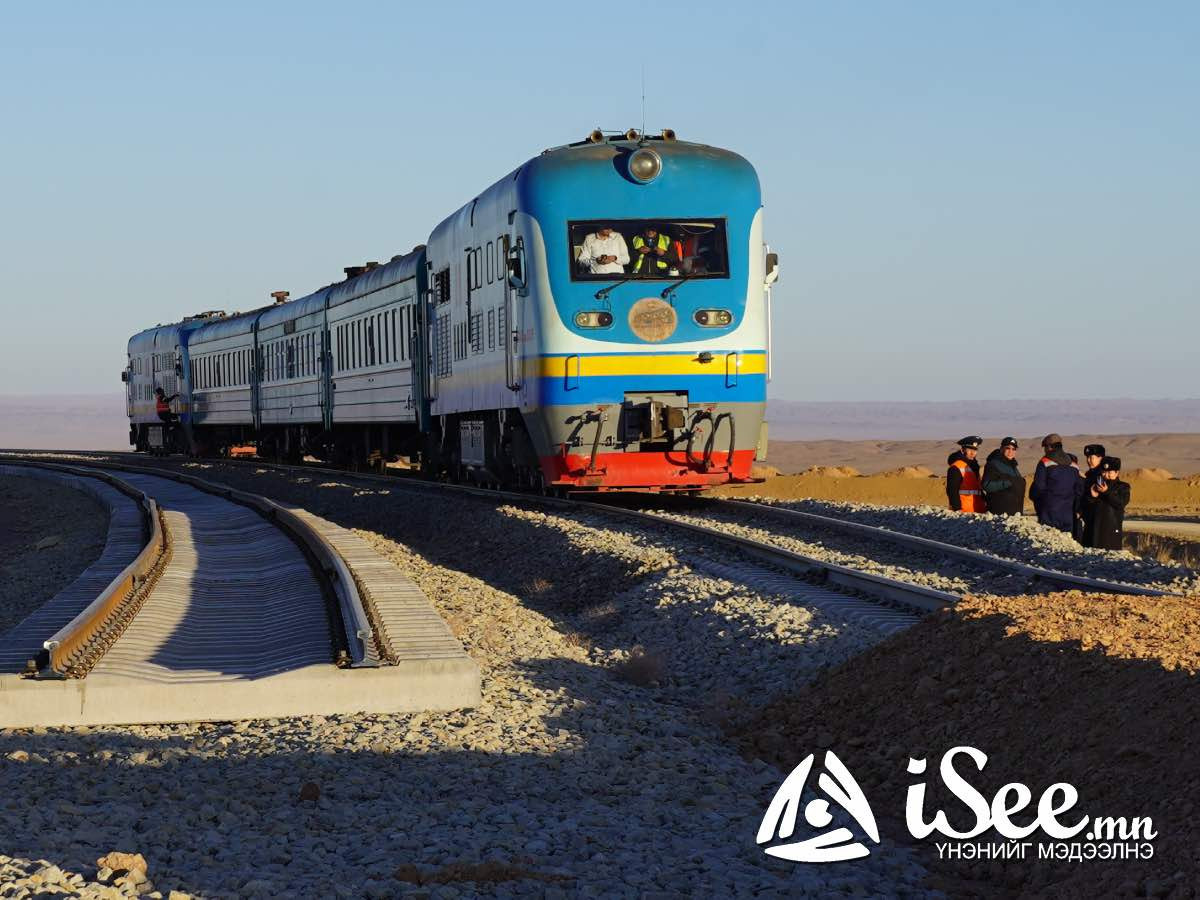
647, 248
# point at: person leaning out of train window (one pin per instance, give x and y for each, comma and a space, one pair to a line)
963, 487
655, 252
1003, 483
604, 252
1057, 486
1105, 521
162, 405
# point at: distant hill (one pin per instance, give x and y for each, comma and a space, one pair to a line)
97, 422
1178, 454
64, 422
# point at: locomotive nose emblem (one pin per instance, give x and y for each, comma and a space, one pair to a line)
653, 319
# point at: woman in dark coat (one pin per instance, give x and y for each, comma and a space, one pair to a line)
1104, 527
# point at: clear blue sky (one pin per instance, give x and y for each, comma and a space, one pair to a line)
970, 201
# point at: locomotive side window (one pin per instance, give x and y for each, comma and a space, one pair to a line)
441, 286
655, 249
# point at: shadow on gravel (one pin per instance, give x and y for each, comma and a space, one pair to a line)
1048, 700
401, 800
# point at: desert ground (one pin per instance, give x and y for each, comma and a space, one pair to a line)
1164, 470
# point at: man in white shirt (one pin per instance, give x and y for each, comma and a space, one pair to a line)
604, 252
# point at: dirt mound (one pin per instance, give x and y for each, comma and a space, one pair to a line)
1097, 691
907, 472
1150, 474
761, 471
832, 471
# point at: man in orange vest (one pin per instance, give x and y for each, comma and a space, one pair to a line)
963, 487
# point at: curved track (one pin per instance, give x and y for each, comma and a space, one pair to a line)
218, 591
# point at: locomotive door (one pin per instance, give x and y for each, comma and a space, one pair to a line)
514, 289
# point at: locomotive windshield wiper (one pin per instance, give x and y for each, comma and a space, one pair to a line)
670, 288
604, 292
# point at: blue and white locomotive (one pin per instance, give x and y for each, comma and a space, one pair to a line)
501, 351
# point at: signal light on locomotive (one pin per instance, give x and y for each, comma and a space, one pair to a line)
644, 165
713, 318
590, 319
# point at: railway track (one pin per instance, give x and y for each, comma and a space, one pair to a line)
866, 596
229, 591
888, 596
239, 585
977, 570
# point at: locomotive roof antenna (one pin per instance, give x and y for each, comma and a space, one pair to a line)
643, 131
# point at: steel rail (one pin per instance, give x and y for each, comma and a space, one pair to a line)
353, 627
1035, 573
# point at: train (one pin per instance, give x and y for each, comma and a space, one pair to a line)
504, 350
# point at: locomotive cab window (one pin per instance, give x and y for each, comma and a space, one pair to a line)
608, 249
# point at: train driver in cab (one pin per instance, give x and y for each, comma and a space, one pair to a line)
604, 252
657, 254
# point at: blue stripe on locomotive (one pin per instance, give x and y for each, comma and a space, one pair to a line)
593, 389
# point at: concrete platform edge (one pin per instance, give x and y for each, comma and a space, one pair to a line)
412, 686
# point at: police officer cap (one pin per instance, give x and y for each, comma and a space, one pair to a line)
1110, 464
1009, 442
971, 441
1093, 450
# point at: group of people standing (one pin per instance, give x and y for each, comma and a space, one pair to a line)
1090, 505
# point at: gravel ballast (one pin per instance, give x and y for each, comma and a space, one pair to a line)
49, 533
594, 765
1019, 538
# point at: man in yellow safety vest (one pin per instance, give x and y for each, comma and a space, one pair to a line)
656, 254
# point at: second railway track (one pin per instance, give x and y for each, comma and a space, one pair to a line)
894, 554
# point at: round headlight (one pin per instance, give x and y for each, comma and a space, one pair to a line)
713, 318
644, 165
593, 319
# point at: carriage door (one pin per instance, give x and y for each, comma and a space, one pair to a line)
514, 289
325, 393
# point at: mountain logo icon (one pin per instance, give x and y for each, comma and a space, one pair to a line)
836, 845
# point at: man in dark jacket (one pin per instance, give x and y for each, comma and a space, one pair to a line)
1110, 496
1002, 480
963, 488
1056, 487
